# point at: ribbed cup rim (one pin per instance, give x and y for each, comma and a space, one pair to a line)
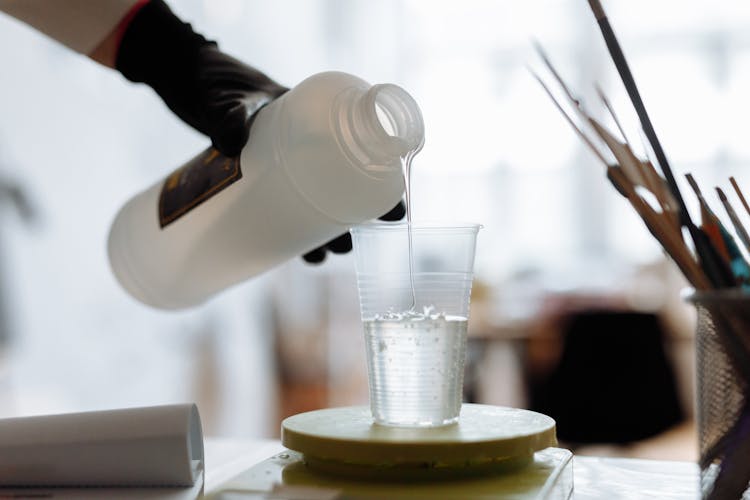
438, 226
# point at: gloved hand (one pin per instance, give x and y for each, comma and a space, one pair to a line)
343, 243
209, 90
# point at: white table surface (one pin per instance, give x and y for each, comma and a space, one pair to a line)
594, 478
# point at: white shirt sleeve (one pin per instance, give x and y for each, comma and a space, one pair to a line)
78, 24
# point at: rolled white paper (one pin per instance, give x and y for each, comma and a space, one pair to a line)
153, 446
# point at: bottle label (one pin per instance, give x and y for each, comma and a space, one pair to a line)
195, 182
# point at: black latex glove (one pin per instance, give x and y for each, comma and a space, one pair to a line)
343, 243
209, 90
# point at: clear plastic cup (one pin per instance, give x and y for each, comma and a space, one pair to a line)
415, 322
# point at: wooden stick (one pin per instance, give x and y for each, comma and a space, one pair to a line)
629, 163
660, 187
574, 101
663, 231
697, 190
618, 57
709, 222
644, 174
580, 133
719, 274
653, 181
638, 174
611, 110
741, 232
551, 68
739, 194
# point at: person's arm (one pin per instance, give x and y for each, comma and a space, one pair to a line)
208, 89
211, 91
78, 24
105, 52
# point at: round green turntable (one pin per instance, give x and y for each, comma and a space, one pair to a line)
486, 439
337, 453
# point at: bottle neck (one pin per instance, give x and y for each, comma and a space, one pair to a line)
380, 125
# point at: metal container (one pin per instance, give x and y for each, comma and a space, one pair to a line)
723, 382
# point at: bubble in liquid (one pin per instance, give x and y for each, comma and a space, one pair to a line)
411, 316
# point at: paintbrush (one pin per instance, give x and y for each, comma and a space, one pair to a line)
710, 223
662, 229
741, 232
635, 97
739, 194
569, 119
715, 267
662, 225
638, 172
653, 181
721, 238
612, 113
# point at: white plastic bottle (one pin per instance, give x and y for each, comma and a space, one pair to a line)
321, 158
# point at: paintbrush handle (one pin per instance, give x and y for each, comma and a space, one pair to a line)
635, 97
597, 9
739, 194
741, 232
716, 268
626, 76
717, 271
661, 229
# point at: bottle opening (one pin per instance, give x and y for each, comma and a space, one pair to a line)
386, 121
398, 116
378, 125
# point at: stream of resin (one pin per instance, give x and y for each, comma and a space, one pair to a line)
416, 357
